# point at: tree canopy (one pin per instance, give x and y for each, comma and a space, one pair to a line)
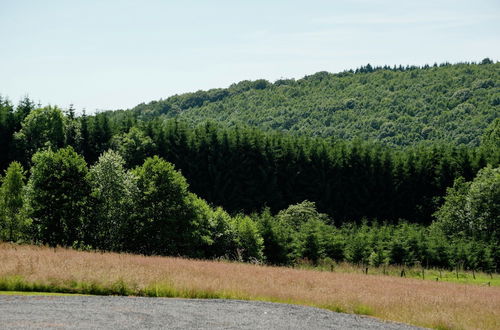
398, 106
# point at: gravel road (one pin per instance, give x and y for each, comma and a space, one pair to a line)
93, 312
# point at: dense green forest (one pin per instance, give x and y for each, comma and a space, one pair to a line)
244, 170
150, 210
394, 105
139, 182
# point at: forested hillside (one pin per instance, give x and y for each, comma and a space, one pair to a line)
135, 181
394, 105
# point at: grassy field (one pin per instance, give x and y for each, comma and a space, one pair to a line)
433, 274
426, 303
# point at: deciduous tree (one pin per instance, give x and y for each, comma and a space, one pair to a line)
57, 195
12, 220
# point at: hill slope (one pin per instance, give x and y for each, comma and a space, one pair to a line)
397, 106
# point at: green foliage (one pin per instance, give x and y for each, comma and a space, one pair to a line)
73, 129
297, 215
397, 106
169, 220
56, 198
134, 146
490, 141
151, 211
161, 202
374, 244
278, 238
473, 208
310, 241
12, 220
113, 192
223, 235
245, 170
298, 232
357, 248
483, 204
41, 128
328, 169
249, 241
451, 216
201, 236
24, 108
378, 257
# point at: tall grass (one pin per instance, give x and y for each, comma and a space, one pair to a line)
432, 274
424, 303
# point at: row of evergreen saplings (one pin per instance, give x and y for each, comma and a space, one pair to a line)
299, 232
149, 210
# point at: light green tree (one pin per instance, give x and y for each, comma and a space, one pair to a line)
12, 221
298, 214
483, 203
451, 217
473, 208
249, 241
42, 128
113, 192
134, 146
223, 234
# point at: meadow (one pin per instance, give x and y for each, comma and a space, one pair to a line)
457, 275
425, 303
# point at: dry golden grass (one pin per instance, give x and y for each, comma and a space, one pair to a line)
418, 302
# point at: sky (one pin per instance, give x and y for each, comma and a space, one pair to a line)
105, 55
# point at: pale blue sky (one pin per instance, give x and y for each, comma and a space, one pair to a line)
100, 54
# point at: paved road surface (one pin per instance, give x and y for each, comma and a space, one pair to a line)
93, 312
